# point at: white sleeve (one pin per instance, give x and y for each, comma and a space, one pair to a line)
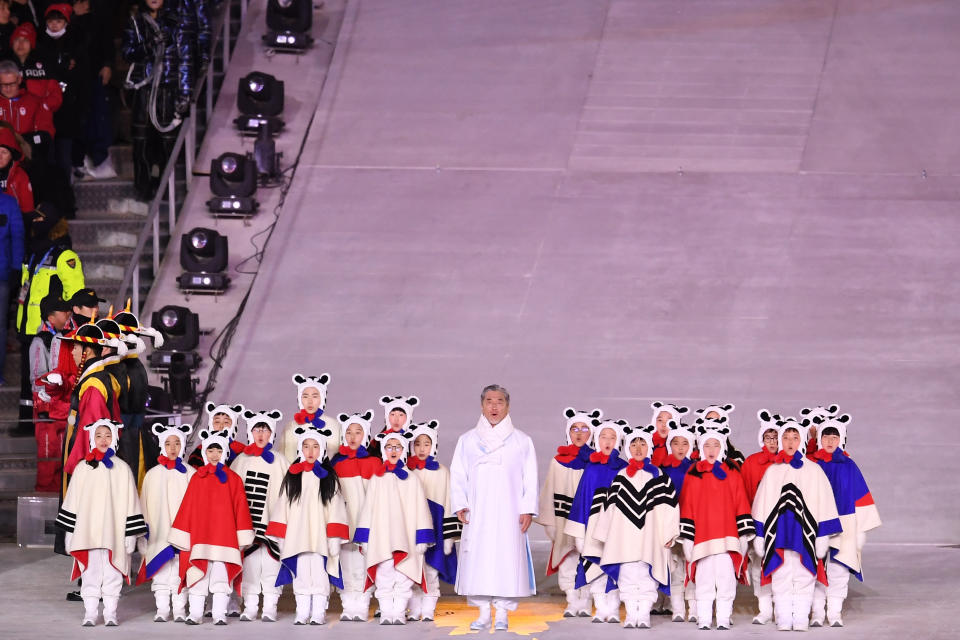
459, 479
529, 498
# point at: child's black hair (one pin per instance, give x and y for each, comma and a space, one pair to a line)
830, 431
292, 484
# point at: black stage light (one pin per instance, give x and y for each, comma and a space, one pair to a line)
260, 102
180, 328
179, 384
288, 25
203, 255
233, 180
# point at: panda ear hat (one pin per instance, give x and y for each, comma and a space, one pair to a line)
428, 429
712, 430
573, 416
208, 437
253, 418
180, 432
643, 433
320, 383
407, 404
114, 427
618, 427
361, 419
680, 430
839, 423
675, 411
767, 421
792, 423
309, 432
723, 412
400, 436
822, 413
231, 411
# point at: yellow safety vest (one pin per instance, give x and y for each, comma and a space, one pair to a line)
70, 271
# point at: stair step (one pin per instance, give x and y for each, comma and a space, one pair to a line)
96, 194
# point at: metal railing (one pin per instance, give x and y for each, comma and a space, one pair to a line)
187, 142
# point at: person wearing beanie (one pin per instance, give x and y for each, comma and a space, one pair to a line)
355, 467
556, 498
27, 11
795, 516
211, 530
592, 491
262, 470
681, 443
663, 415
440, 558
858, 515
164, 486
638, 524
311, 402
715, 526
394, 530
752, 472
101, 520
310, 520
36, 77
49, 432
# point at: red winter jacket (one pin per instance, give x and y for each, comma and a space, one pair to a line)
18, 183
27, 113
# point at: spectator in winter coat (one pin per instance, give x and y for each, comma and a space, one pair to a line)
25, 11
13, 179
91, 18
11, 255
25, 111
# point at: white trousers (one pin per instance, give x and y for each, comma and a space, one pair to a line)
100, 579
393, 590
260, 574
792, 592
831, 596
164, 585
678, 576
354, 599
425, 603
311, 578
636, 585
485, 602
716, 580
214, 581
763, 593
606, 603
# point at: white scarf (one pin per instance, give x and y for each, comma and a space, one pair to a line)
492, 436
56, 35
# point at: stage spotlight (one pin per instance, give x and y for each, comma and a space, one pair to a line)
233, 179
180, 328
288, 25
179, 384
260, 102
203, 256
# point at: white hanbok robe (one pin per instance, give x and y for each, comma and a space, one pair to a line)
494, 475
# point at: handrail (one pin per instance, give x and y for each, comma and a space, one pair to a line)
187, 142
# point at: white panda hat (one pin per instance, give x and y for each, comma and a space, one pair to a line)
428, 429
680, 430
574, 416
270, 418
617, 425
208, 438
767, 421
712, 430
319, 383
308, 432
400, 436
389, 403
362, 419
232, 411
722, 410
631, 434
791, 423
839, 423
114, 427
823, 413
180, 432
674, 411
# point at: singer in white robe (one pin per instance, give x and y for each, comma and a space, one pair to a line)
493, 487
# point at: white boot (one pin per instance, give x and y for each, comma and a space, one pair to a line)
384, 606
318, 610
428, 608
599, 606
632, 607
677, 606
399, 610
415, 605
110, 610
219, 607
303, 609
766, 610
179, 605
783, 609
500, 620
483, 620
801, 613
162, 598
573, 600
643, 614
91, 611
348, 600
834, 608
196, 609
583, 602
251, 602
704, 613
612, 614
363, 607
270, 601
691, 607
